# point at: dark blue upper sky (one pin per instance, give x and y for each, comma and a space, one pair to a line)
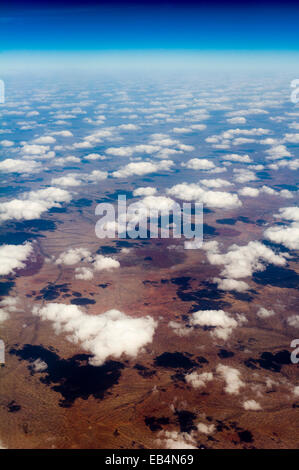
166, 25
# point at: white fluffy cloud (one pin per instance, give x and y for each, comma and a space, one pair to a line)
10, 165
83, 273
76, 179
7, 306
199, 380
146, 191
232, 378
293, 320
46, 139
231, 284
234, 157
251, 405
242, 261
112, 333
142, 168
176, 440
102, 263
223, 323
73, 256
243, 176
249, 191
13, 257
194, 192
277, 151
33, 204
215, 183
287, 236
199, 164
265, 313
206, 428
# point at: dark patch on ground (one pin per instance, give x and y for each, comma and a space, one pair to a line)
226, 221
82, 202
13, 407
103, 286
155, 424
276, 247
82, 301
107, 250
150, 283
175, 360
260, 222
269, 361
263, 175
77, 294
209, 230
16, 233
74, 377
289, 187
224, 354
243, 296
52, 291
245, 436
145, 372
112, 197
202, 360
277, 276
5, 287
185, 419
207, 298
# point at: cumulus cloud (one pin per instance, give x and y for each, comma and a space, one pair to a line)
289, 213
7, 306
10, 165
199, 380
215, 183
293, 320
242, 261
237, 120
73, 256
265, 313
39, 366
176, 440
286, 235
243, 176
179, 329
277, 151
76, 179
194, 192
112, 333
46, 139
231, 284
289, 164
13, 257
94, 156
206, 428
249, 191
146, 191
142, 168
232, 378
83, 273
33, 204
102, 263
199, 164
234, 157
67, 180
251, 405
222, 323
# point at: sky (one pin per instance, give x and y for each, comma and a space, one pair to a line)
93, 27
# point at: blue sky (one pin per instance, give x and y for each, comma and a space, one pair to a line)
148, 26
148, 34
